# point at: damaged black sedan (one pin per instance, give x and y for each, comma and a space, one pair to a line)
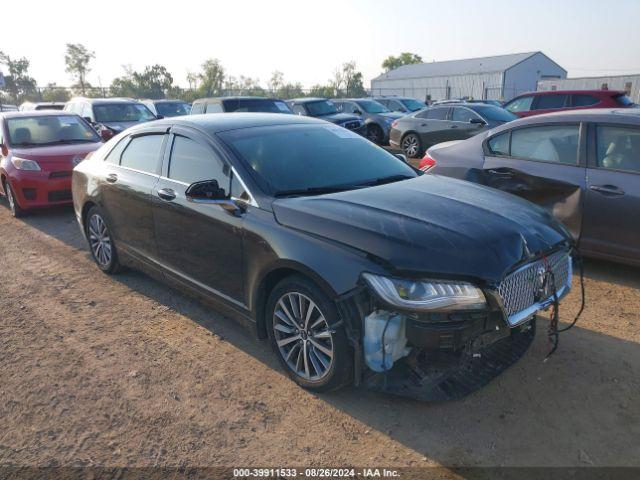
354, 265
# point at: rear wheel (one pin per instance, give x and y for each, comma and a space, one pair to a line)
374, 134
411, 145
301, 323
16, 210
103, 250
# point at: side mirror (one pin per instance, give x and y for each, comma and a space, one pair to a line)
210, 192
402, 157
206, 191
88, 120
357, 112
4, 150
106, 133
477, 121
159, 117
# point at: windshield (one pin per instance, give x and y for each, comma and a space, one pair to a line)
496, 114
624, 100
288, 158
172, 109
371, 106
49, 129
324, 107
122, 112
413, 105
256, 105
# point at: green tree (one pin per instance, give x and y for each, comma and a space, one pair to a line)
324, 91
153, 82
405, 58
53, 93
352, 80
211, 78
18, 84
77, 61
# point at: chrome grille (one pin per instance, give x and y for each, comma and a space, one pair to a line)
521, 291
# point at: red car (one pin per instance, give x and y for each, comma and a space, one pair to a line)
535, 103
38, 151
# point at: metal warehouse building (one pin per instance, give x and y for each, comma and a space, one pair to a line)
628, 83
501, 77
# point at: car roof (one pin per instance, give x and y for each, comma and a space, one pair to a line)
393, 97
220, 122
163, 100
235, 97
603, 115
307, 100
608, 93
104, 100
35, 113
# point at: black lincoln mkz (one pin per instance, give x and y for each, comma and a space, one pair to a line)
355, 266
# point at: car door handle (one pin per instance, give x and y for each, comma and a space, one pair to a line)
167, 194
423, 124
500, 173
112, 178
607, 190
454, 126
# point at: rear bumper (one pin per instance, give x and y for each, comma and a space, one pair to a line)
39, 189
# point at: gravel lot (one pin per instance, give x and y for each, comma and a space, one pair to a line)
123, 371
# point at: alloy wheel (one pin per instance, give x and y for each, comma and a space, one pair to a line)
303, 336
374, 135
10, 198
410, 145
100, 240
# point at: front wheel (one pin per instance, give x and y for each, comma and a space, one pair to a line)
302, 325
103, 250
16, 210
375, 134
411, 145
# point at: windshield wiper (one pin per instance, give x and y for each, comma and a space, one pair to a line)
314, 190
71, 140
384, 180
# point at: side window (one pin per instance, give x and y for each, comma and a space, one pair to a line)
522, 104
197, 108
394, 106
143, 153
434, 113
85, 110
555, 143
298, 110
214, 108
461, 114
499, 145
583, 100
347, 107
116, 152
548, 102
618, 148
193, 162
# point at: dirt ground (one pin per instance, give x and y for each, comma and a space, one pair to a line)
123, 371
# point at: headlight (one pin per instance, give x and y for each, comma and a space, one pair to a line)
24, 164
426, 295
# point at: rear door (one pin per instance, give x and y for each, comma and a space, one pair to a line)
546, 164
550, 102
130, 172
612, 210
197, 242
434, 126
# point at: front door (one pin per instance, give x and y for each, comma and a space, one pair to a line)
544, 164
197, 243
612, 211
462, 126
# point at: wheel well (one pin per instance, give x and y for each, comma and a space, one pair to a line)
2, 180
85, 209
266, 286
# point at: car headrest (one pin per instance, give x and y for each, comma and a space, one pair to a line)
21, 135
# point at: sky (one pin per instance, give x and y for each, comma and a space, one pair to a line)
308, 40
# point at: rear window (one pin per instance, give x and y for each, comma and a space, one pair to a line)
256, 105
548, 102
623, 100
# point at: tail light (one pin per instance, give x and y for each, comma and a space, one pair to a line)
427, 163
394, 124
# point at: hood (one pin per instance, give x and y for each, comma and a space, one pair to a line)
118, 127
430, 226
392, 115
54, 153
338, 117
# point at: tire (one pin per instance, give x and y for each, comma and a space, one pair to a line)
375, 134
316, 356
102, 248
412, 145
16, 210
